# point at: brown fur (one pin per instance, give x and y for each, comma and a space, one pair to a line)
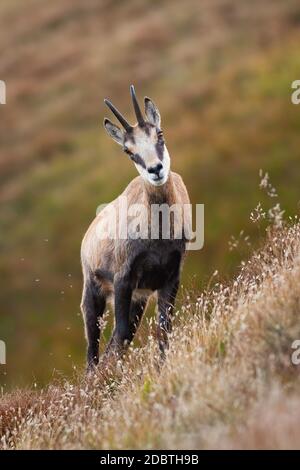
131, 264
109, 255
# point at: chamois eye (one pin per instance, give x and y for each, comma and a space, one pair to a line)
160, 137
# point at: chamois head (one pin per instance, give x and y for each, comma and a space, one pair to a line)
143, 142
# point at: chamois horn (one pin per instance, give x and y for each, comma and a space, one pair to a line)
118, 115
137, 110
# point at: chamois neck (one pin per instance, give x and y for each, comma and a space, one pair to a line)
163, 194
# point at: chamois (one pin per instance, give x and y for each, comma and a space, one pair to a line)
127, 270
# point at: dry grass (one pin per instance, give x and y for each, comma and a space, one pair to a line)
228, 380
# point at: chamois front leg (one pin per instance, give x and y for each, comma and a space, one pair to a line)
166, 302
92, 306
122, 334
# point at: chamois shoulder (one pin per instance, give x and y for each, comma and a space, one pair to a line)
181, 192
133, 190
96, 251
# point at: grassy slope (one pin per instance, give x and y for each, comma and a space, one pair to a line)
228, 381
222, 79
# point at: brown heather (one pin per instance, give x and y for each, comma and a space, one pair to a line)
228, 381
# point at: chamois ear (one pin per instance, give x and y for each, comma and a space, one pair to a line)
114, 131
152, 112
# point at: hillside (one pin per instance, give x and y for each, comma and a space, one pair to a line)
228, 381
220, 71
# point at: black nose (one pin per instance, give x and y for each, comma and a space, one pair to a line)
155, 169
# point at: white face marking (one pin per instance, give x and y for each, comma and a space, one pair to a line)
145, 148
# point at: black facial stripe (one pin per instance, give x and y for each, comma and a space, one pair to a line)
129, 137
159, 147
147, 128
138, 160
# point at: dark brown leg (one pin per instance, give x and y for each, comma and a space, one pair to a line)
166, 302
92, 306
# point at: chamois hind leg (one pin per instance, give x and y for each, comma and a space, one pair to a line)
92, 306
137, 309
166, 303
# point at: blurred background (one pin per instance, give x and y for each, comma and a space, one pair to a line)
220, 72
